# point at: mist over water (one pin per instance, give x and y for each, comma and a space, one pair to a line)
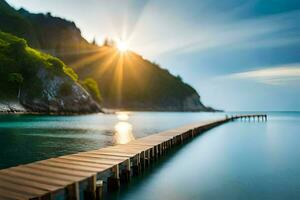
237, 160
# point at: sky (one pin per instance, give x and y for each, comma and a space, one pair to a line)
238, 54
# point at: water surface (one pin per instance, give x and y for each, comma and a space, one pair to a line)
238, 160
28, 138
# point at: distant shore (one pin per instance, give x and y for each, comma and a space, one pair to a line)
104, 111
17, 108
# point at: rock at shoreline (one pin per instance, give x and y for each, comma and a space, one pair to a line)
31, 81
11, 107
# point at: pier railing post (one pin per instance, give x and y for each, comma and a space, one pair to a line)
99, 190
113, 182
136, 166
90, 193
73, 192
126, 173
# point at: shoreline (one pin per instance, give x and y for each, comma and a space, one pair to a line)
16, 108
103, 111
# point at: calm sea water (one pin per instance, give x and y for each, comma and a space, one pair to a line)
28, 138
238, 160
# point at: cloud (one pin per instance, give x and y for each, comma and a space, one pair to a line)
164, 29
279, 75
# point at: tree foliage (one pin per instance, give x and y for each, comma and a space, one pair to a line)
16, 78
19, 64
92, 87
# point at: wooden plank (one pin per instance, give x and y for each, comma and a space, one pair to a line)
6, 197
86, 159
147, 143
26, 182
98, 156
63, 171
102, 161
70, 166
37, 178
110, 156
59, 179
137, 149
124, 151
21, 189
127, 150
155, 139
138, 146
115, 153
80, 163
14, 195
140, 143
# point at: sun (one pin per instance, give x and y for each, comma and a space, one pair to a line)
122, 46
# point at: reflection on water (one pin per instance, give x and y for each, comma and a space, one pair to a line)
29, 138
123, 129
123, 133
123, 116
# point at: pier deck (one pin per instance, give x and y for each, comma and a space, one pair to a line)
78, 176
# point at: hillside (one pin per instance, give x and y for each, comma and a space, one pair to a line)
125, 81
38, 82
129, 81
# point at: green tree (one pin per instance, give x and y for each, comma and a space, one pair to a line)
94, 42
17, 79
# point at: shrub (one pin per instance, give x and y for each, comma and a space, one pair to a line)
16, 78
70, 72
92, 87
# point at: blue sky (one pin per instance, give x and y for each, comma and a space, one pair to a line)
238, 54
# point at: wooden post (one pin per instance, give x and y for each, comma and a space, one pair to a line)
181, 139
126, 173
44, 197
99, 190
135, 166
90, 193
142, 160
73, 192
113, 182
155, 152
148, 157
152, 154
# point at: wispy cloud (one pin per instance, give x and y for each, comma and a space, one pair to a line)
178, 32
279, 75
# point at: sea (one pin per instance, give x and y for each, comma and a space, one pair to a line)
237, 160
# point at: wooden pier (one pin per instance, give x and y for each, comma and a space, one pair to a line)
87, 175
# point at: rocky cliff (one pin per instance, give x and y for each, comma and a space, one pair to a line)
126, 82
36, 82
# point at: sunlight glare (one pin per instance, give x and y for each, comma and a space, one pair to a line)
123, 116
122, 45
123, 133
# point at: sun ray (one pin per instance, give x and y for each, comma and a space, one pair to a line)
132, 68
88, 59
107, 63
118, 80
